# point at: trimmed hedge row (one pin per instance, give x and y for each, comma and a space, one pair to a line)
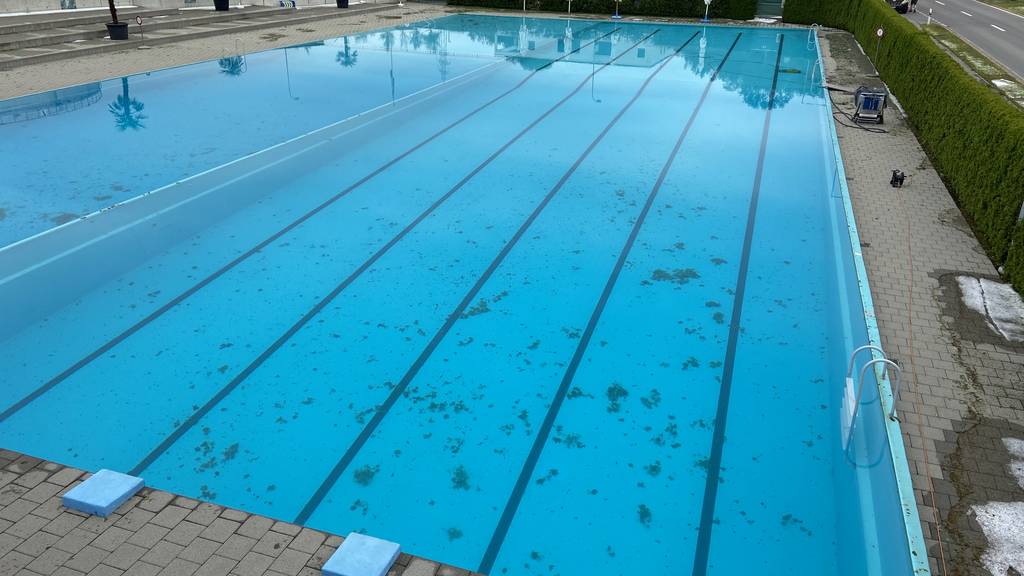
733, 9
974, 137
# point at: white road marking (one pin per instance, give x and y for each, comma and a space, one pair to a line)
1000, 9
940, 3
997, 27
965, 13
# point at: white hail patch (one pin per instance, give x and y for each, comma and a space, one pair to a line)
1003, 525
1002, 308
1015, 447
1003, 522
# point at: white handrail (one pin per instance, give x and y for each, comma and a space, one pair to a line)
860, 390
853, 356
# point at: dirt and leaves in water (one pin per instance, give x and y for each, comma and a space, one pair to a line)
615, 393
460, 478
483, 305
567, 439
644, 514
678, 276
365, 474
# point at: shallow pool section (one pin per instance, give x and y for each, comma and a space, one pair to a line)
529, 296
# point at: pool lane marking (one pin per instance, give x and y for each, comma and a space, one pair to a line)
530, 464
700, 559
396, 392
32, 396
194, 418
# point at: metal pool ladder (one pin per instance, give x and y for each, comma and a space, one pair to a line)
852, 392
811, 34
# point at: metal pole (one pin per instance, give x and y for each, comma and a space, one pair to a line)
288, 74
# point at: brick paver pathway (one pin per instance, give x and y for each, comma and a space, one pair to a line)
152, 534
964, 385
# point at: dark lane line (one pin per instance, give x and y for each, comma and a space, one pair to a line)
470, 296
32, 396
700, 559
238, 379
512, 505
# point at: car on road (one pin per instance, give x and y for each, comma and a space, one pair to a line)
901, 6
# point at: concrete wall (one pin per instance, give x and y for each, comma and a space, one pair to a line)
8, 6
17, 6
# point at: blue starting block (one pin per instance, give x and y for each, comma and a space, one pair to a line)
361, 555
102, 493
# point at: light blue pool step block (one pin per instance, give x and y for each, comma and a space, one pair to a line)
102, 493
361, 555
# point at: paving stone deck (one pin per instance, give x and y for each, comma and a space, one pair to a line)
132, 58
154, 533
964, 385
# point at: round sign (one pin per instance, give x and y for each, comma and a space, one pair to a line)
880, 32
707, 2
138, 20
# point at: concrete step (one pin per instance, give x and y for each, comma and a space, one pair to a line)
37, 54
174, 19
769, 8
13, 25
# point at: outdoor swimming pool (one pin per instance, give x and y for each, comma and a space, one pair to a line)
529, 296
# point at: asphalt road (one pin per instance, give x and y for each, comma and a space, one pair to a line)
997, 33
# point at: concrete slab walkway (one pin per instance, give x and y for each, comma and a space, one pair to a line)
180, 46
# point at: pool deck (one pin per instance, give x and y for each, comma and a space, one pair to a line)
963, 383
154, 533
963, 394
45, 76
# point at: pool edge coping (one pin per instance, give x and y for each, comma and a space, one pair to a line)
897, 449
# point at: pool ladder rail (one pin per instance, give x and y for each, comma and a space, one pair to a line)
853, 391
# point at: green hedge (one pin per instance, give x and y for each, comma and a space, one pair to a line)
1015, 260
733, 9
974, 136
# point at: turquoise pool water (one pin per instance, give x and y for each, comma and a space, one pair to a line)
529, 296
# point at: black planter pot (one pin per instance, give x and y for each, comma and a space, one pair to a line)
220, 5
117, 31
342, 3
